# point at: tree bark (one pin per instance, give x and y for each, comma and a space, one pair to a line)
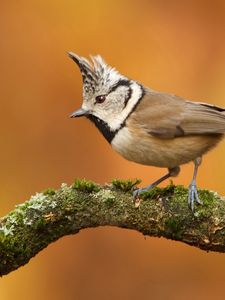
49, 215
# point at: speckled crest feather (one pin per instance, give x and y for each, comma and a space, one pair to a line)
106, 74
96, 74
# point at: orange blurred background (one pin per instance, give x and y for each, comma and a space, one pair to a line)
173, 46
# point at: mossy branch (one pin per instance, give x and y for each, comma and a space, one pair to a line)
49, 215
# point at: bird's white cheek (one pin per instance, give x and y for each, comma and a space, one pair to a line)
116, 120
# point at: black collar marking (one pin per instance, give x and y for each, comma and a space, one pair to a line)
103, 126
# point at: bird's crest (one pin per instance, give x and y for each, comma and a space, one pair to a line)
96, 74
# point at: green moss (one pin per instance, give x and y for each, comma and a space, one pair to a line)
180, 197
208, 197
107, 196
174, 227
125, 185
49, 192
39, 224
157, 192
84, 185
180, 190
109, 202
209, 200
43, 219
172, 224
151, 194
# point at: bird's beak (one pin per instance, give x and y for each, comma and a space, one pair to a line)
79, 113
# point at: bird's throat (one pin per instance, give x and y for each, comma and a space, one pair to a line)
103, 128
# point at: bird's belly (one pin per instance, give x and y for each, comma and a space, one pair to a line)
145, 149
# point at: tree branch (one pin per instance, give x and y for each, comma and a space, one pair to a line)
49, 215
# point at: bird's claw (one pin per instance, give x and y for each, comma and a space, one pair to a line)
136, 193
136, 197
193, 196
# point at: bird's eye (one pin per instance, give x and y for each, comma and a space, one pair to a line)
100, 99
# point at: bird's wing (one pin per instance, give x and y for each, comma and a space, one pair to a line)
168, 116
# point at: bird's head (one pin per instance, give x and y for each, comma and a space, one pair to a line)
108, 96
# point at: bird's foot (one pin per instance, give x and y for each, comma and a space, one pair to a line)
193, 195
136, 197
136, 194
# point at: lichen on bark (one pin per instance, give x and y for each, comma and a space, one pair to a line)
51, 214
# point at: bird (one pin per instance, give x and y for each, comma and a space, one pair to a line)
146, 126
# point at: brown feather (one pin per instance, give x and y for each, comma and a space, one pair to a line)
167, 131
169, 116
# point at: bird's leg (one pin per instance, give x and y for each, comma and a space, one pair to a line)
172, 172
193, 193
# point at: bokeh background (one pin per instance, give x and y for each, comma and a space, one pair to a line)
173, 46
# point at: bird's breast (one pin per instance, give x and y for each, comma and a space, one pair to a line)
136, 144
